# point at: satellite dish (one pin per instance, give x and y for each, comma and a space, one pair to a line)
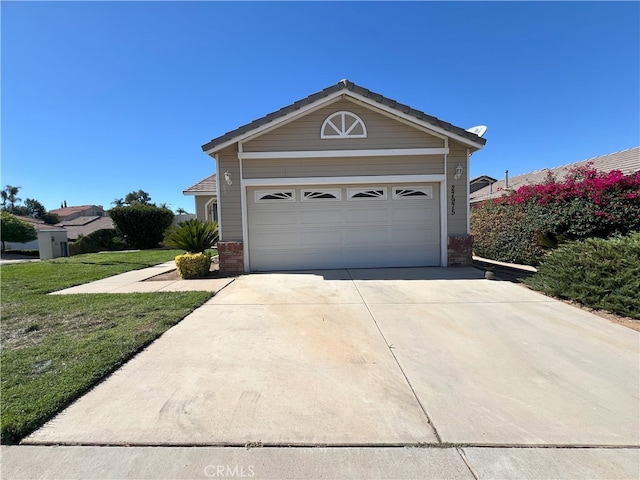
479, 130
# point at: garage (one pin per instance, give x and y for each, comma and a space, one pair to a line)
343, 226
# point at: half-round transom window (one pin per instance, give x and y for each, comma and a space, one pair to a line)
343, 125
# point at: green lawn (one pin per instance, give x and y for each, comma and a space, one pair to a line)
55, 347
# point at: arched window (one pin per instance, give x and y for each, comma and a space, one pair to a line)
343, 125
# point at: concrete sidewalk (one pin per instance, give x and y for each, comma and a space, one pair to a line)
321, 463
134, 282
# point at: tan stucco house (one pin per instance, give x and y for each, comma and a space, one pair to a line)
345, 178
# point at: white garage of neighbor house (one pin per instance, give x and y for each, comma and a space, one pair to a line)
344, 178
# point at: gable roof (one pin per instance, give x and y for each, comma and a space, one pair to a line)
85, 225
206, 186
627, 161
66, 211
38, 224
351, 89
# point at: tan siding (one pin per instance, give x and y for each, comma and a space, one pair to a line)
336, 167
304, 133
229, 195
457, 224
201, 205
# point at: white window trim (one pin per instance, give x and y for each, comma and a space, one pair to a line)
339, 130
355, 191
260, 193
337, 192
381, 152
427, 190
206, 209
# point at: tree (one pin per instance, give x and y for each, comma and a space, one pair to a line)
141, 226
181, 211
140, 197
10, 195
13, 229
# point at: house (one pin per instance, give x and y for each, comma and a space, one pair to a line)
480, 182
51, 241
205, 195
344, 178
627, 161
82, 220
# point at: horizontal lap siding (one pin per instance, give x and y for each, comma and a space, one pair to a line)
201, 202
229, 195
338, 167
304, 133
457, 224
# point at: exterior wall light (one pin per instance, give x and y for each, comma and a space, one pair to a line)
458, 172
227, 178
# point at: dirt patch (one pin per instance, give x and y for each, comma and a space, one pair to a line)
628, 322
172, 275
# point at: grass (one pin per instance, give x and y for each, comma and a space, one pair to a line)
56, 347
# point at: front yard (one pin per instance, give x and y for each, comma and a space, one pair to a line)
56, 347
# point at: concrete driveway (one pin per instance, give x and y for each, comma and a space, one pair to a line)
376, 357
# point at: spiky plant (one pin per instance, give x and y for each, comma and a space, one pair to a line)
192, 236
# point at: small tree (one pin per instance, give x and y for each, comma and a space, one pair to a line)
141, 226
12, 229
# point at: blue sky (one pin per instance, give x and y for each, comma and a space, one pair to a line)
102, 98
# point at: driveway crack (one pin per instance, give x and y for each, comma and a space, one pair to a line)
391, 347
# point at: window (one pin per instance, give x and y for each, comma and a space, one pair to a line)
274, 196
343, 125
412, 192
320, 195
367, 193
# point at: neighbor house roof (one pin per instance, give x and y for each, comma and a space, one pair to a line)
627, 161
66, 211
203, 187
85, 225
38, 224
349, 88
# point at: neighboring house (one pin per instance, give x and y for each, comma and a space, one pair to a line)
627, 161
480, 182
205, 195
343, 178
82, 220
33, 244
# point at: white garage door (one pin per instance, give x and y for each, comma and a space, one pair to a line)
343, 226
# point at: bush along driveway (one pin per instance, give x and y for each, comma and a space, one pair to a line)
56, 347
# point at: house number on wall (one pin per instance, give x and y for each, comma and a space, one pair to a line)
453, 199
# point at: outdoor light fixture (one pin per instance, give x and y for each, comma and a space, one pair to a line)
227, 178
458, 172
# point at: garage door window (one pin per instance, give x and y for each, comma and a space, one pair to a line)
379, 193
262, 196
320, 195
412, 192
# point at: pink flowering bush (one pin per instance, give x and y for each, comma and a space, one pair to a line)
586, 203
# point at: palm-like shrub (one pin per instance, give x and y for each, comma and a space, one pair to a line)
192, 236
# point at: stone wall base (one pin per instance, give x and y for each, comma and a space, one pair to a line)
231, 258
459, 251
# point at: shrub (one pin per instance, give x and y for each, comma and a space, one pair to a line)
192, 236
12, 229
193, 265
101, 240
523, 226
141, 226
599, 273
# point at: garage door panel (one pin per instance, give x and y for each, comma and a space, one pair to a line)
369, 215
320, 217
412, 214
321, 237
360, 233
368, 236
265, 217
